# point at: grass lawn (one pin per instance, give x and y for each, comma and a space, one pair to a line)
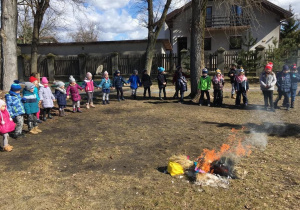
107, 157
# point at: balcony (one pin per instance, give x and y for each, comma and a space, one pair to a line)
227, 22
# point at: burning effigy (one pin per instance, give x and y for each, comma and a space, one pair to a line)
213, 167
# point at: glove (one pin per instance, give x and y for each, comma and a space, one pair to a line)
23, 100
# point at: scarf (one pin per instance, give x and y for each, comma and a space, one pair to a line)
61, 90
240, 78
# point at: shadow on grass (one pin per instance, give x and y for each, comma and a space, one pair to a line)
271, 129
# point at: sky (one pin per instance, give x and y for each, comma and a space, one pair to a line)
117, 19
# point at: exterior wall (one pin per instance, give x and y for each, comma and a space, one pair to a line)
123, 47
265, 29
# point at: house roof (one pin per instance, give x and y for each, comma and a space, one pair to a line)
165, 42
266, 4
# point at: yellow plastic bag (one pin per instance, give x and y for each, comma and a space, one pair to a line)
175, 169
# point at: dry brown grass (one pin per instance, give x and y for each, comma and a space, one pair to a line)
107, 158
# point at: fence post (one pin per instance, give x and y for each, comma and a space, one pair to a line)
82, 66
260, 51
184, 60
298, 57
50, 65
114, 61
221, 59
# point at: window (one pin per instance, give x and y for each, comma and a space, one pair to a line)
208, 21
235, 42
207, 43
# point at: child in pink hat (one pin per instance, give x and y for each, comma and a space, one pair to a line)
89, 86
46, 98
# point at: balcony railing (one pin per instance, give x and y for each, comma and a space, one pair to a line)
226, 21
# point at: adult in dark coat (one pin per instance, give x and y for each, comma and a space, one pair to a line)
284, 85
295, 78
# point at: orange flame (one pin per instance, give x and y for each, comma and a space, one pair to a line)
235, 146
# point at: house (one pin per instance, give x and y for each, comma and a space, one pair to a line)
227, 26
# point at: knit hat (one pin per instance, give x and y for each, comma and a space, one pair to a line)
15, 86
161, 69
89, 74
204, 71
44, 80
234, 64
117, 72
105, 73
285, 68
71, 78
2, 103
144, 71
241, 70
29, 85
59, 84
218, 71
135, 71
269, 66
178, 67
294, 67
32, 79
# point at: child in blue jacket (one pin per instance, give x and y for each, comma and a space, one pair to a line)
15, 107
295, 78
105, 84
134, 81
284, 85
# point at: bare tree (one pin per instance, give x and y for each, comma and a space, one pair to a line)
38, 9
9, 42
154, 26
86, 32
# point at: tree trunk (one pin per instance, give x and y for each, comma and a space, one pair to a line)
9, 19
153, 31
197, 42
38, 19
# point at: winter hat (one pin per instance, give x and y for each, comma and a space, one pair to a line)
71, 78
285, 68
234, 64
15, 86
294, 67
32, 79
161, 69
89, 74
241, 70
269, 66
2, 103
135, 71
178, 67
29, 85
218, 71
59, 84
204, 71
117, 72
105, 73
144, 71
44, 80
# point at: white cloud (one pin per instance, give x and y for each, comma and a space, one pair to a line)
286, 3
108, 4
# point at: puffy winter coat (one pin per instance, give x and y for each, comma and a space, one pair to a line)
182, 83
241, 86
14, 104
146, 80
134, 81
36, 92
267, 80
231, 71
89, 85
218, 84
46, 97
295, 78
204, 83
118, 81
73, 90
6, 123
161, 78
61, 96
284, 82
31, 105
105, 84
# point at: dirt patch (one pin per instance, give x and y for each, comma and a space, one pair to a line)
107, 158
